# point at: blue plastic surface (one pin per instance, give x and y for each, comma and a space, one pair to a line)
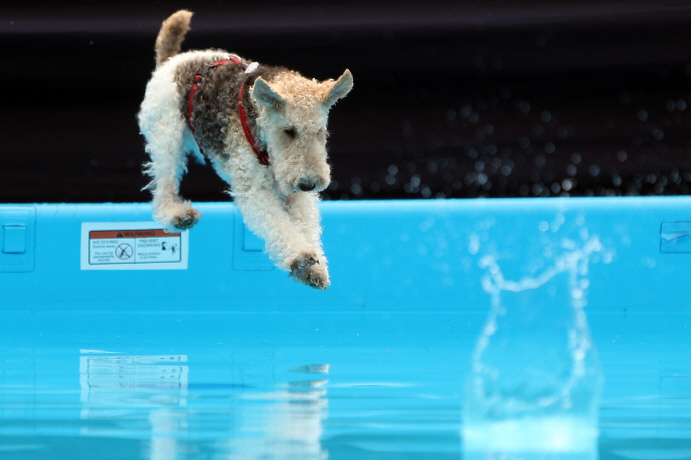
231, 359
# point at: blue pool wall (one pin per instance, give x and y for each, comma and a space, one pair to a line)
383, 256
408, 270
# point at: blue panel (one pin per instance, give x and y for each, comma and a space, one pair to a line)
675, 237
14, 239
17, 227
248, 249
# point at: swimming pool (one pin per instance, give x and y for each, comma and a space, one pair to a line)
220, 356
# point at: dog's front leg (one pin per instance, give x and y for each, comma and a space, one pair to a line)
303, 211
168, 164
288, 245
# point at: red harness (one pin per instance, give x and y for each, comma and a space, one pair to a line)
263, 157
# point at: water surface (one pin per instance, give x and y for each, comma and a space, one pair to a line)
272, 385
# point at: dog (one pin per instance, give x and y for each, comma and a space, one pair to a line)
262, 128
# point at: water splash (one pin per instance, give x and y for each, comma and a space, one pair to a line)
535, 379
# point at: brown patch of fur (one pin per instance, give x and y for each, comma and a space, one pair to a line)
171, 35
215, 101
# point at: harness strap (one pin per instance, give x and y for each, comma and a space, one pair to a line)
263, 157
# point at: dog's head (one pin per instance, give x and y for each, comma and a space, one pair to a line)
292, 114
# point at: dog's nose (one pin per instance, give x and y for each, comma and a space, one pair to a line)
307, 185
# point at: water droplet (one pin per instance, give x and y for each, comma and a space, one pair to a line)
474, 244
621, 155
642, 115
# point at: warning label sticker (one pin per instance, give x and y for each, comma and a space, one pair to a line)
132, 245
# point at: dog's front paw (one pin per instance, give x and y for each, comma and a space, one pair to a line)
178, 216
315, 275
187, 219
306, 259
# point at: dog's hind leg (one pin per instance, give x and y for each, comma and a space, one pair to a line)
166, 135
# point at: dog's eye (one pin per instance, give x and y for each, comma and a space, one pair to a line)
290, 132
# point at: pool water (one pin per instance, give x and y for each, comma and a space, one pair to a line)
213, 361
275, 385
210, 385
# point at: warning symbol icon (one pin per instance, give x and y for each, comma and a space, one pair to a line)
119, 235
124, 251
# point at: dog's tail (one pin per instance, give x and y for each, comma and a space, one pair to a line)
171, 35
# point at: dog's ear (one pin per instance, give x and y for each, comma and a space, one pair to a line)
265, 95
340, 88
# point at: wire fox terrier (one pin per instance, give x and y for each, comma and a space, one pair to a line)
262, 128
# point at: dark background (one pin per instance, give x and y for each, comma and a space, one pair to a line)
459, 99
